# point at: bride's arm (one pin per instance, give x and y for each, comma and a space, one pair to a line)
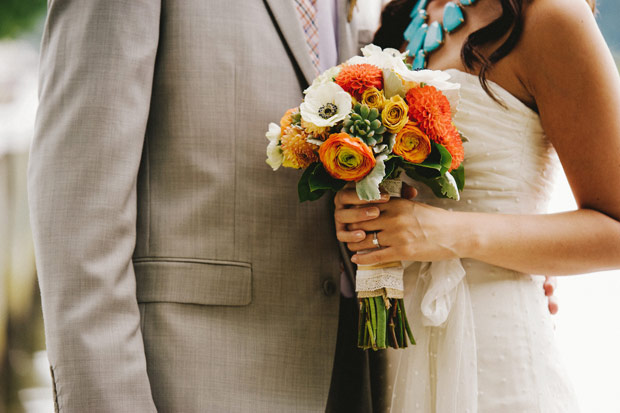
570, 73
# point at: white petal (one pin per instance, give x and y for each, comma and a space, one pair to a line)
319, 96
274, 151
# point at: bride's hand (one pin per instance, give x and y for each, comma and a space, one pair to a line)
406, 231
349, 209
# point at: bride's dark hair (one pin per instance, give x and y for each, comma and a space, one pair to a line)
395, 18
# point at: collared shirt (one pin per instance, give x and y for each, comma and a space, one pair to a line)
327, 23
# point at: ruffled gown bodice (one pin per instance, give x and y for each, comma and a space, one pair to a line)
509, 163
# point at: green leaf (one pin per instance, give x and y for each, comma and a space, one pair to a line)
446, 158
304, 189
459, 177
320, 179
443, 186
449, 187
390, 168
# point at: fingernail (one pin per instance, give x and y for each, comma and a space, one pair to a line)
359, 234
373, 212
385, 196
354, 259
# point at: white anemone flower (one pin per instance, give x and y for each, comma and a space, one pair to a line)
327, 76
274, 150
325, 105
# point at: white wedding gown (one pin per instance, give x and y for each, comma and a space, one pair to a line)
485, 339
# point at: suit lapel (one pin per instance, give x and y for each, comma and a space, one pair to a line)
287, 21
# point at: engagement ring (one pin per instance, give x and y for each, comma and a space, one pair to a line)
375, 240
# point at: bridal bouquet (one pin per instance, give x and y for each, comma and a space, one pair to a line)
365, 122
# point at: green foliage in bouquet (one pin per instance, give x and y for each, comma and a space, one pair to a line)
434, 172
315, 182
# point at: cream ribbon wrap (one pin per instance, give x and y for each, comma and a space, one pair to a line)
439, 374
371, 280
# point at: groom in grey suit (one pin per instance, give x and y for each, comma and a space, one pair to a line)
178, 272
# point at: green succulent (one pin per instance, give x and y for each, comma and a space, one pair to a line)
364, 123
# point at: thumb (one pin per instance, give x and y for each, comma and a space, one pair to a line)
408, 192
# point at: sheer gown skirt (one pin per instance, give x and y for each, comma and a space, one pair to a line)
518, 364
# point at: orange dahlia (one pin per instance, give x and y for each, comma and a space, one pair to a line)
355, 79
297, 152
454, 145
430, 110
346, 157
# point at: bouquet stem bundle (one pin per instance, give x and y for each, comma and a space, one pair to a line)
383, 323
380, 291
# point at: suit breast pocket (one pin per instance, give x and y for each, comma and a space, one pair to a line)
193, 281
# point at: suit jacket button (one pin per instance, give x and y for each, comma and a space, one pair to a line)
328, 287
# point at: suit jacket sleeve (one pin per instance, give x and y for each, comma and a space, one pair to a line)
96, 72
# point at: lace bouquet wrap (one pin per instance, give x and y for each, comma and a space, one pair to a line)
364, 123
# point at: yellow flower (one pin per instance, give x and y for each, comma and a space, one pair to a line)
373, 98
394, 114
412, 144
297, 152
316, 131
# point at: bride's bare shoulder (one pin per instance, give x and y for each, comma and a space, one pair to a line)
560, 39
566, 23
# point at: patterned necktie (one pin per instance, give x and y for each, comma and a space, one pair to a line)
306, 11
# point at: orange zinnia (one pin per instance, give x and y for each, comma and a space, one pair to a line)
346, 157
356, 79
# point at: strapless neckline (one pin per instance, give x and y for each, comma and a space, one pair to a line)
509, 99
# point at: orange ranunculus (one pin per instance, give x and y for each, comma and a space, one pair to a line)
355, 79
296, 151
346, 157
412, 144
430, 110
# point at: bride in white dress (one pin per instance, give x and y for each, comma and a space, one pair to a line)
485, 340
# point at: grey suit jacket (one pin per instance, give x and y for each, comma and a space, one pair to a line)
178, 272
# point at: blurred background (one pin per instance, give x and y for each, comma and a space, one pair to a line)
586, 326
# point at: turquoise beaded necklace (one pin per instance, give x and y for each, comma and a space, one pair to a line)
423, 38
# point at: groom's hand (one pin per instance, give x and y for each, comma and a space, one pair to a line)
549, 286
